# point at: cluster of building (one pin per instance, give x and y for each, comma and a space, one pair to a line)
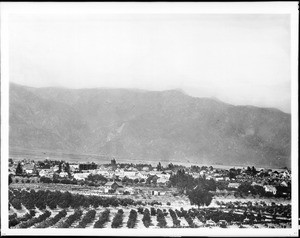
115, 175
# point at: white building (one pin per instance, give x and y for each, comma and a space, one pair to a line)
233, 185
46, 173
63, 174
74, 167
81, 176
270, 188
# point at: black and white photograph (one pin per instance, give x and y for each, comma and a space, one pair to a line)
157, 119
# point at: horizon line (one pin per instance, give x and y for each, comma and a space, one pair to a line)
177, 89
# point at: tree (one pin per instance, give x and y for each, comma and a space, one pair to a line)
113, 162
254, 170
232, 173
67, 168
245, 188
170, 166
159, 167
211, 185
19, 169
59, 167
182, 181
200, 196
9, 179
146, 218
97, 178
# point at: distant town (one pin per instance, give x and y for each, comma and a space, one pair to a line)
122, 178
191, 196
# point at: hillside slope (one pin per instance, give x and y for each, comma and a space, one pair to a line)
148, 125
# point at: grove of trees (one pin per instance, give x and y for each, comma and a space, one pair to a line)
42, 198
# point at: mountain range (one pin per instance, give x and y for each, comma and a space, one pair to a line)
147, 125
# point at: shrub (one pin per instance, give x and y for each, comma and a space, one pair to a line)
118, 219
153, 211
88, 218
52, 221
104, 217
146, 218
15, 221
140, 210
161, 219
35, 220
16, 203
176, 222
132, 219
71, 219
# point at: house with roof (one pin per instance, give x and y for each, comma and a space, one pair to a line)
218, 178
156, 192
130, 174
152, 179
29, 169
141, 175
104, 173
131, 191
112, 185
63, 174
74, 167
48, 173
55, 168
119, 173
270, 188
202, 172
284, 184
146, 168
162, 180
81, 176
168, 171
233, 185
119, 190
256, 184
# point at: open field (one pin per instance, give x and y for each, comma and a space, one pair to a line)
176, 201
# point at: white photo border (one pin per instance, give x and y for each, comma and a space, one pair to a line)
290, 8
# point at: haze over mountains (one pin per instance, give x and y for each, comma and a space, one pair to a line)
148, 125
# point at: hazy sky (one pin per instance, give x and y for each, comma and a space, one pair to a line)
240, 59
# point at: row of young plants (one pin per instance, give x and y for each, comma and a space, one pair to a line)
257, 206
232, 215
132, 219
118, 219
176, 221
35, 220
160, 217
14, 220
189, 219
88, 218
146, 218
53, 220
104, 217
71, 219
